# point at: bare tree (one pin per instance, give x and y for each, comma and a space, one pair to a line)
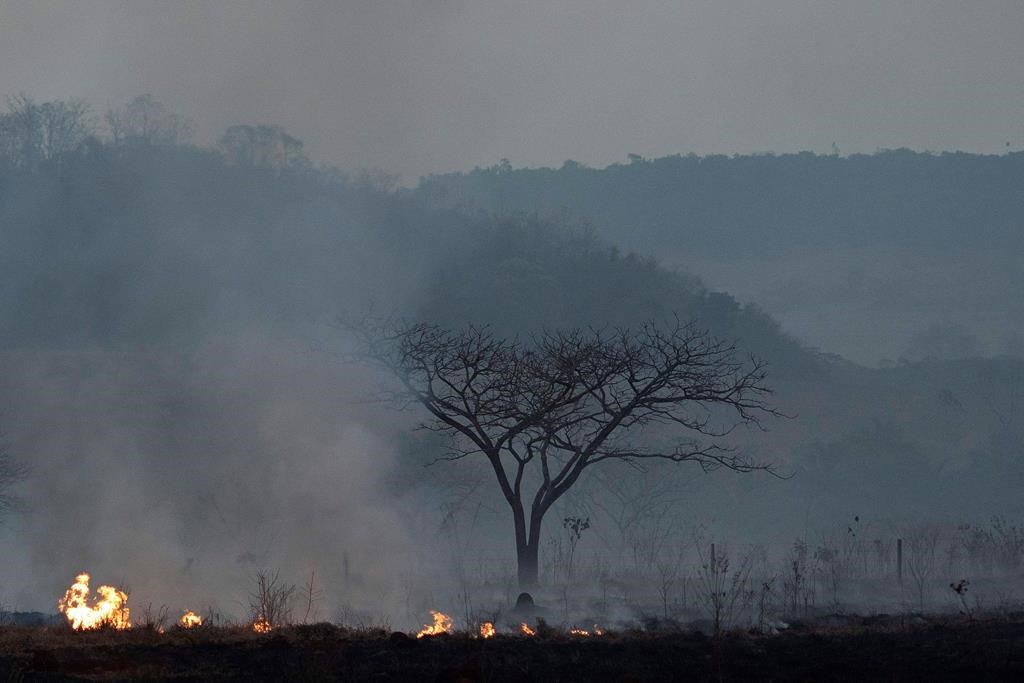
20, 132
146, 120
270, 603
65, 126
265, 146
721, 590
922, 544
11, 472
31, 133
637, 500
312, 595
544, 410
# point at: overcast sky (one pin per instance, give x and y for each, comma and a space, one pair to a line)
420, 86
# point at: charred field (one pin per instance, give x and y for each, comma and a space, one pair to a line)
864, 648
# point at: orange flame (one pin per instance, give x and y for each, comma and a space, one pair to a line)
579, 632
487, 630
442, 624
526, 630
261, 625
598, 631
190, 620
110, 610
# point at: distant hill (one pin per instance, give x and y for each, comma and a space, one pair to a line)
855, 254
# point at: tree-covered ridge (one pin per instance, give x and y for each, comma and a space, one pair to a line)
874, 257
752, 202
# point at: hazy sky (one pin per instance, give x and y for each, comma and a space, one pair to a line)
418, 86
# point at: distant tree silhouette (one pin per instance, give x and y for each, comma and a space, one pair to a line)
32, 133
11, 471
262, 146
147, 121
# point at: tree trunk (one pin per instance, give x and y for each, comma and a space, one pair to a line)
526, 555
527, 549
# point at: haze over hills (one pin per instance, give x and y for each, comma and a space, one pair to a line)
169, 354
475, 339
876, 257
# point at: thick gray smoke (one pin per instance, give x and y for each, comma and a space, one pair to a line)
172, 376
180, 475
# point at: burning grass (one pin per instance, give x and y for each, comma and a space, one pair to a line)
442, 625
109, 610
190, 620
97, 642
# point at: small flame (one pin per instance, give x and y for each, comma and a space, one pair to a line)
110, 610
261, 625
579, 632
598, 631
190, 620
526, 630
442, 624
487, 630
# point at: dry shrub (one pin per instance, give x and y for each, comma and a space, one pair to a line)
271, 600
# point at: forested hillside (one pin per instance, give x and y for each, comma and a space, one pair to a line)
889, 255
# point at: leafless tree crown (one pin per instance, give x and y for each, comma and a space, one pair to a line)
565, 400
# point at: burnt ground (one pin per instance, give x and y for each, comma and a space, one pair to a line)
878, 649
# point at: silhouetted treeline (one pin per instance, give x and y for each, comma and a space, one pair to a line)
747, 204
